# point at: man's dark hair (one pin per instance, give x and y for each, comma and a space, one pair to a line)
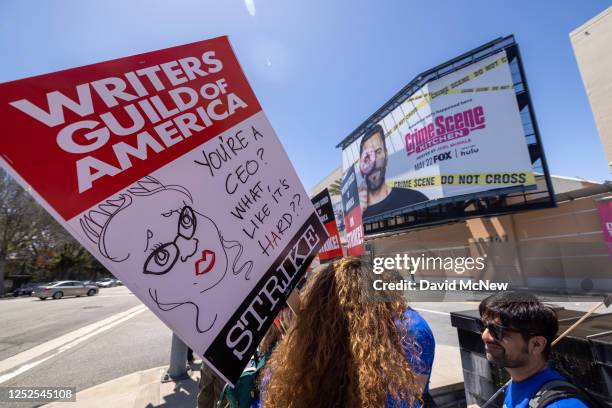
369, 134
524, 312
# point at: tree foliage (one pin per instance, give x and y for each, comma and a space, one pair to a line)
30, 237
335, 188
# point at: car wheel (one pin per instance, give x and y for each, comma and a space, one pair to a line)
91, 292
42, 297
58, 295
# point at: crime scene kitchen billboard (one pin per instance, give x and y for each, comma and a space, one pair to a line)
456, 135
164, 166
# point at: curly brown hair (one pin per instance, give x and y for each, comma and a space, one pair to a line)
343, 350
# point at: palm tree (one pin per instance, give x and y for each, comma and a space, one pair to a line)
335, 188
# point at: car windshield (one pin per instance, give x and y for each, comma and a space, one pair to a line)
51, 283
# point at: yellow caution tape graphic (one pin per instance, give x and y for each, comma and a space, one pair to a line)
467, 179
452, 89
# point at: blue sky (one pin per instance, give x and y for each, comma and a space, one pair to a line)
320, 68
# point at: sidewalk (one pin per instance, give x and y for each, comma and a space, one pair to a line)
142, 389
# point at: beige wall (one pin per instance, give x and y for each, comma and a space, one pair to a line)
560, 247
336, 174
592, 43
555, 247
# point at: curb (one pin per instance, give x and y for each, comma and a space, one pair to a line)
140, 389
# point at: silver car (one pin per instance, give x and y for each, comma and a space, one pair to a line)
107, 283
58, 290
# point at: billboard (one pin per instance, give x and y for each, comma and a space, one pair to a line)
456, 135
332, 247
164, 166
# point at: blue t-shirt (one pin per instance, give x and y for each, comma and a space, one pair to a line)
419, 336
518, 394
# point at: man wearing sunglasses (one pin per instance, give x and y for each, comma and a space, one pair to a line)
517, 330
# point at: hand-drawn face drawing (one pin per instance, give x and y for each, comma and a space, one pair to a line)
180, 252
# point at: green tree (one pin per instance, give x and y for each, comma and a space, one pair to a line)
335, 188
72, 261
18, 222
29, 235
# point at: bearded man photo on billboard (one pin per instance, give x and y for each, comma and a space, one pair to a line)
375, 196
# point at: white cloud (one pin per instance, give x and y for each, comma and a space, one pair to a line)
250, 5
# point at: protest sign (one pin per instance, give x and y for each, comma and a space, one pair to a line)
604, 207
332, 247
352, 214
165, 168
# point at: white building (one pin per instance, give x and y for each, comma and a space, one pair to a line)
592, 44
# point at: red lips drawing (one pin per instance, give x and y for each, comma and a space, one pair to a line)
206, 263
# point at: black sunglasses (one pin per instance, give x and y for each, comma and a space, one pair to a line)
497, 330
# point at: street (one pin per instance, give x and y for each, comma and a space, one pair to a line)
47, 348
82, 342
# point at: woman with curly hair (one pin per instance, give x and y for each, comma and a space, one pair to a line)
345, 350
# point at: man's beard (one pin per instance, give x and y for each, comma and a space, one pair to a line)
502, 360
376, 185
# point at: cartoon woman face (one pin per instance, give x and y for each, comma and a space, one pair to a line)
164, 256
169, 242
153, 229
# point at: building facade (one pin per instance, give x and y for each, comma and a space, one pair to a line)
558, 249
592, 44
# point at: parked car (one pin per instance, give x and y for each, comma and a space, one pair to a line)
58, 290
25, 290
106, 283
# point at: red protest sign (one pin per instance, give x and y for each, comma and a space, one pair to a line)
604, 208
332, 247
66, 132
353, 224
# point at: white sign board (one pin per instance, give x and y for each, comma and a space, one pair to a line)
165, 167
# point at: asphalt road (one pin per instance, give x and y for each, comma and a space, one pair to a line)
28, 321
82, 342
121, 344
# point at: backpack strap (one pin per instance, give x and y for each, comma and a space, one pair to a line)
222, 400
556, 390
